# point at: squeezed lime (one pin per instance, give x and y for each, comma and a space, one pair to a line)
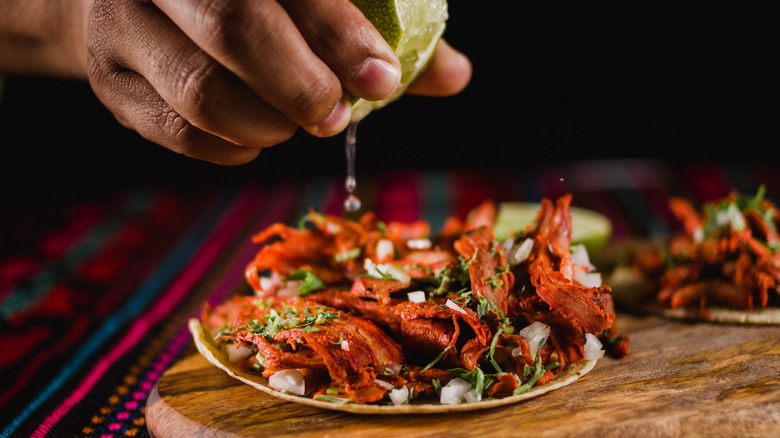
589, 228
413, 29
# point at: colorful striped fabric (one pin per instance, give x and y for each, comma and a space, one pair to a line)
95, 292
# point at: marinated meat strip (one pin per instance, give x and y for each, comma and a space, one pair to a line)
488, 271
551, 272
370, 309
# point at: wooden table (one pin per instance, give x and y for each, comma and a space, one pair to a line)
679, 379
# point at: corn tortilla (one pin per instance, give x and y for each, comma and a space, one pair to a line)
210, 351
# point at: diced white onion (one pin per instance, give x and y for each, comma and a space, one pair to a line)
579, 256
722, 218
454, 306
345, 345
583, 268
266, 283
386, 385
534, 329
384, 250
698, 234
290, 288
534, 343
394, 368
332, 227
455, 391
399, 396
416, 296
535, 334
519, 253
593, 348
290, 380
269, 284
385, 270
508, 243
736, 218
587, 279
517, 352
238, 352
418, 243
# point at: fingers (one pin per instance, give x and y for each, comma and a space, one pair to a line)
179, 97
222, 79
448, 73
271, 50
350, 46
137, 105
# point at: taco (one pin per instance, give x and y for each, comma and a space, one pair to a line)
373, 317
721, 265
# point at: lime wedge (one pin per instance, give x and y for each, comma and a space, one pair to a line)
412, 28
590, 228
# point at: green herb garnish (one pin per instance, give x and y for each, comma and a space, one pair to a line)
311, 282
339, 400
438, 358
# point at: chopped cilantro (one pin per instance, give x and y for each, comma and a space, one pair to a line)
260, 359
438, 358
532, 373
496, 280
476, 378
437, 386
465, 263
311, 282
339, 400
288, 318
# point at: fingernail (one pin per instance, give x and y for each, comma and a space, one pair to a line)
337, 120
378, 78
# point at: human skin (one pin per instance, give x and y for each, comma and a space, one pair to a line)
217, 80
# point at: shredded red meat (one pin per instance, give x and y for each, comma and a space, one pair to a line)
487, 261
361, 277
551, 272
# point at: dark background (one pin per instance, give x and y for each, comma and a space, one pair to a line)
549, 85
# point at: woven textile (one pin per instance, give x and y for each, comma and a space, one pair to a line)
95, 291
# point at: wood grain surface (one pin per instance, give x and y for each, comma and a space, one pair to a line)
680, 379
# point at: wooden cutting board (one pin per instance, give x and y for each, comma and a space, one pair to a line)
679, 379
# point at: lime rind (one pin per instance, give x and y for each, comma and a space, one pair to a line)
413, 29
589, 228
384, 17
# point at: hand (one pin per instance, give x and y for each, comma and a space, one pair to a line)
221, 79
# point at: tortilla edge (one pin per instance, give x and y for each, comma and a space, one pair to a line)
763, 316
626, 284
212, 354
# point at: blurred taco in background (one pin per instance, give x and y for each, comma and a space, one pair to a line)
722, 265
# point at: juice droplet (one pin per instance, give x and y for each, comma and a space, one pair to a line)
350, 184
352, 203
